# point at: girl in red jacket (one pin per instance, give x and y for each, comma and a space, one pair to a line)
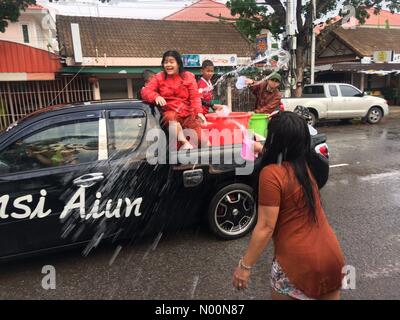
176, 92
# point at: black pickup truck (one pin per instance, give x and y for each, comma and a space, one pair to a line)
77, 174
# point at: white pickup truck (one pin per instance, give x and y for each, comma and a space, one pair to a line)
338, 101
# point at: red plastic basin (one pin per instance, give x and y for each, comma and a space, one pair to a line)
227, 129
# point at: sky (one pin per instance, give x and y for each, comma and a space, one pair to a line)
139, 9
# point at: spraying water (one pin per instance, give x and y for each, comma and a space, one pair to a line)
282, 56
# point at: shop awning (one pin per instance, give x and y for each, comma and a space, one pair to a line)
20, 62
368, 68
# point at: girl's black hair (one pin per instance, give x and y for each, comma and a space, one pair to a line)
174, 54
289, 140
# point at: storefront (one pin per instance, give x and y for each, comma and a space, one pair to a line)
352, 56
378, 79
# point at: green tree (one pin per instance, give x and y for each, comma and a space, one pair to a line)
271, 14
10, 10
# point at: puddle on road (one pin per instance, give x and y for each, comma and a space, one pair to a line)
386, 271
378, 176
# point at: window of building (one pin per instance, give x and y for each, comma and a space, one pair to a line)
25, 33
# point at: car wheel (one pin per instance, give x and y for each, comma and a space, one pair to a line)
319, 169
232, 213
313, 119
374, 115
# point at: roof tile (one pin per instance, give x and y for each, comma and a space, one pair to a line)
367, 40
199, 12
151, 38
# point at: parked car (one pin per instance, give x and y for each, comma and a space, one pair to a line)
338, 101
74, 175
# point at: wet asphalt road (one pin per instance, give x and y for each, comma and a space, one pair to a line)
362, 202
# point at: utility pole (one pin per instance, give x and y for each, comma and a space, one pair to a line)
314, 17
291, 38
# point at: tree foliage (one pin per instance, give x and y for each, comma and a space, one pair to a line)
10, 10
271, 14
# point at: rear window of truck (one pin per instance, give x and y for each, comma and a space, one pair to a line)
314, 91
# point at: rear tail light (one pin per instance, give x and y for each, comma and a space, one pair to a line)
323, 150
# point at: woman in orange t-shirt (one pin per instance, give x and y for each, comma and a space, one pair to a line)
308, 260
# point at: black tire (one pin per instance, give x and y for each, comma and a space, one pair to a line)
374, 115
232, 212
319, 169
314, 119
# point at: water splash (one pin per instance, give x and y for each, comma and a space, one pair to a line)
115, 255
194, 287
282, 63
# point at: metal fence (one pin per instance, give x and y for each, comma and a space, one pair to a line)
242, 100
19, 98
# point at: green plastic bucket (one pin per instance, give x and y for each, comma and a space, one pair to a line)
259, 123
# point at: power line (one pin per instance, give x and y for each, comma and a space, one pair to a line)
61, 91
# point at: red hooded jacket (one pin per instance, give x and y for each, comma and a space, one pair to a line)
179, 91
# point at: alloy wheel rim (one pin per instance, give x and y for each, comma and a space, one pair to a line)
374, 115
235, 212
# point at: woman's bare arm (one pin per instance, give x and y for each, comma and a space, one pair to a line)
262, 233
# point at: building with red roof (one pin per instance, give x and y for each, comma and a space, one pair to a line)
35, 28
35, 7
384, 19
365, 55
202, 10
30, 65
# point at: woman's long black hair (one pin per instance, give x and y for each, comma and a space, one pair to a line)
176, 55
289, 140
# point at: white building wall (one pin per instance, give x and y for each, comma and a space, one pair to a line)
40, 36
